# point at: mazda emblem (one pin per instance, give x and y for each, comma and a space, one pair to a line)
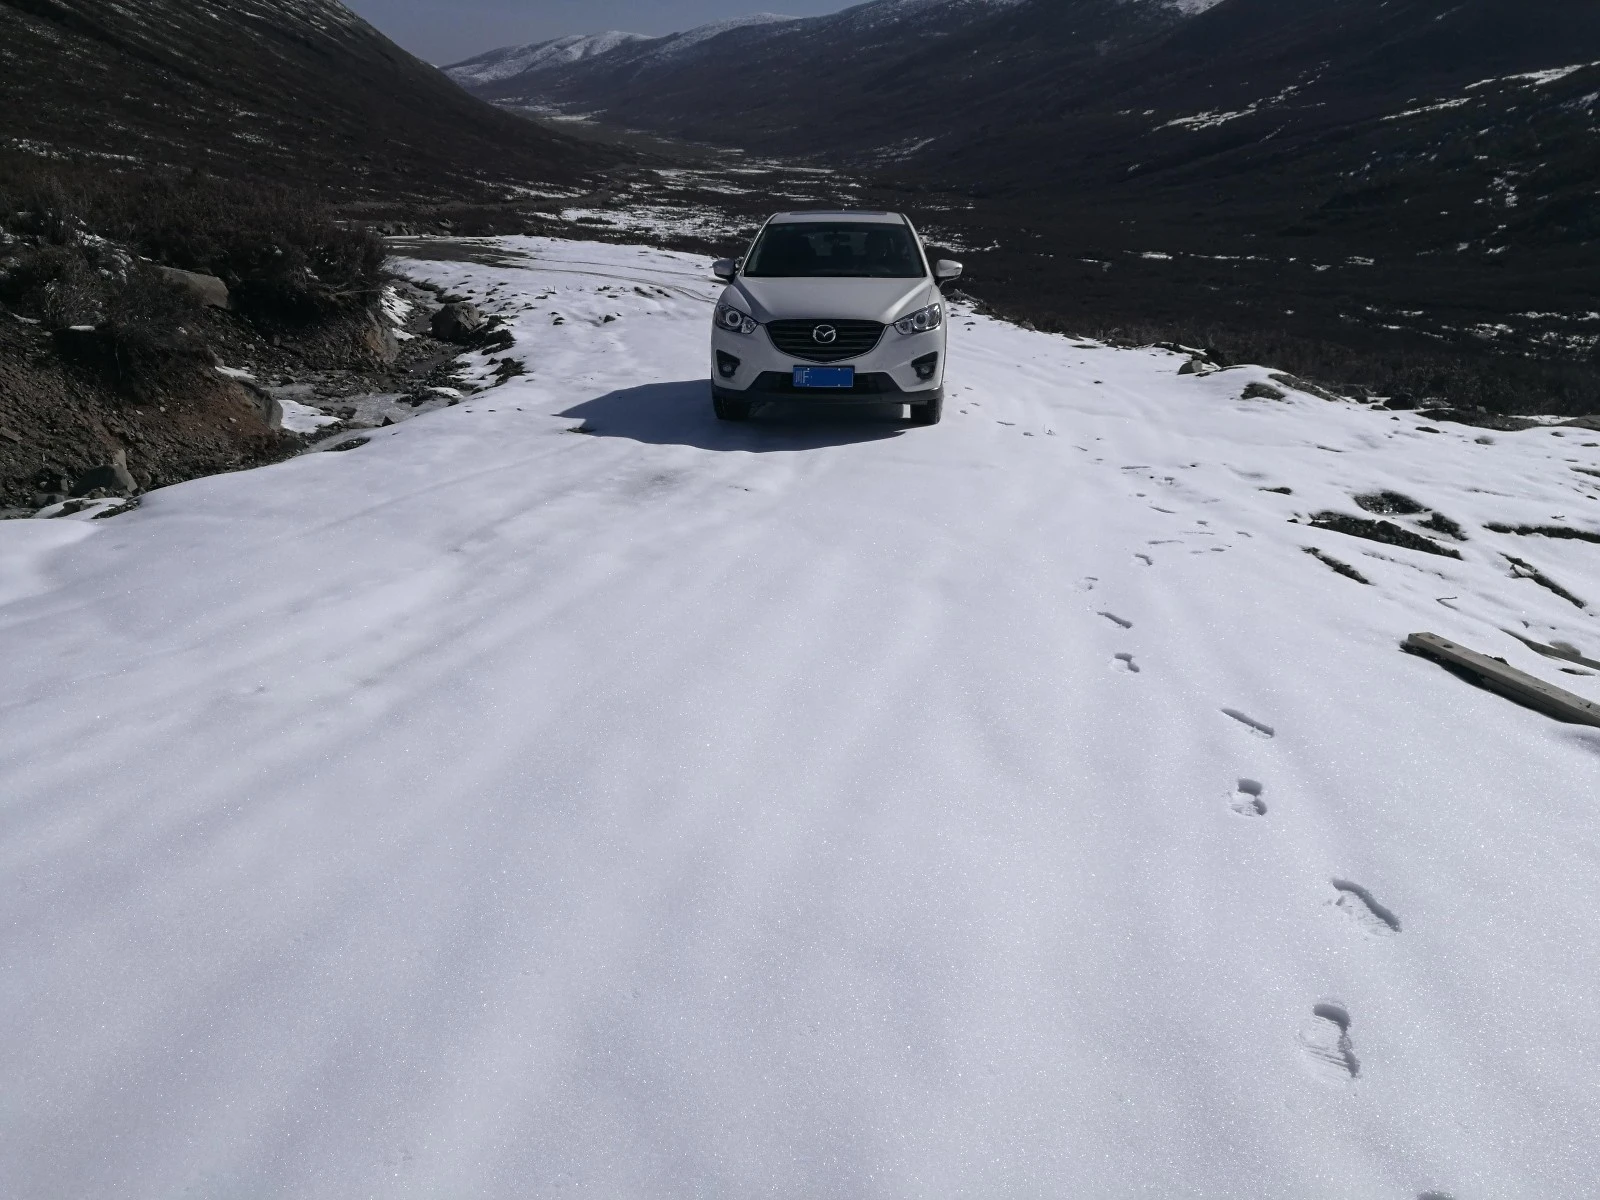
826, 334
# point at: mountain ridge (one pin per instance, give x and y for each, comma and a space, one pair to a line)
838, 69
302, 89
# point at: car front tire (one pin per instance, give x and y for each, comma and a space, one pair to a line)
731, 410
928, 413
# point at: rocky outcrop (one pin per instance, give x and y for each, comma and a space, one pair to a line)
377, 340
112, 478
265, 404
207, 289
70, 432
358, 340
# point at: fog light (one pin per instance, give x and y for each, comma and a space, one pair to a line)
727, 365
926, 367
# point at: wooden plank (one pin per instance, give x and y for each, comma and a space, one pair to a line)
1506, 680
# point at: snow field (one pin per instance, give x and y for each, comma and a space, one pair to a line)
685, 809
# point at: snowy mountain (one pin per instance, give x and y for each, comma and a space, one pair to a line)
526, 63
548, 71
844, 71
540, 56
1037, 805
1405, 178
299, 89
677, 43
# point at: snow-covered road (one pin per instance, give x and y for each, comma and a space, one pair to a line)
820, 808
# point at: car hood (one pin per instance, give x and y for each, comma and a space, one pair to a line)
881, 300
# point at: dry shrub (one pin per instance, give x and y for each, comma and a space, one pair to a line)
282, 253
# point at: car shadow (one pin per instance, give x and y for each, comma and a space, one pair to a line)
679, 414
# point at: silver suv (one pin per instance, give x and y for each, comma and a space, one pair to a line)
832, 306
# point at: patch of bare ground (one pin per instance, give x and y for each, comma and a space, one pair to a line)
1549, 531
1526, 570
1342, 568
1386, 532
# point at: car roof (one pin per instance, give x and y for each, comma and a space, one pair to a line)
862, 215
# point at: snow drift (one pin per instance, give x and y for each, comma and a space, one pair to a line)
563, 794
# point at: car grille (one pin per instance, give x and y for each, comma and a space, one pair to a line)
799, 339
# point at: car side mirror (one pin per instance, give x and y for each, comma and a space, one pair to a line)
947, 270
725, 269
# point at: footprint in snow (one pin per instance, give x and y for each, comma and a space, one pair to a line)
1087, 583
1146, 559
1125, 664
1325, 1041
1247, 801
1250, 723
1370, 917
1116, 620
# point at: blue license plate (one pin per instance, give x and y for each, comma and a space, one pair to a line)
824, 377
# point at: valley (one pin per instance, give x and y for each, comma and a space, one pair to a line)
1390, 196
439, 757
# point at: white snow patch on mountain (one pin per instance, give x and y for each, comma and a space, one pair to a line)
520, 60
567, 794
888, 12
680, 42
1440, 106
541, 56
1537, 78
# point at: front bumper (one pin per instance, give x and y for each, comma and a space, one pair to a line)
869, 389
884, 374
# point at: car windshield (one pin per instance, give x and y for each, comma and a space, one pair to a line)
813, 250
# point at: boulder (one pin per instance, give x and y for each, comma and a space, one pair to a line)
1301, 385
1262, 391
265, 404
112, 477
207, 289
460, 322
377, 340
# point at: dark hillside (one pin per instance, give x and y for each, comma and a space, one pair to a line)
1245, 73
862, 85
298, 91
1405, 187
184, 185
1400, 193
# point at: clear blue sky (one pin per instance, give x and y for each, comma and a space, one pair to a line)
446, 31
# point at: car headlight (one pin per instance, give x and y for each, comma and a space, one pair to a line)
735, 321
924, 320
